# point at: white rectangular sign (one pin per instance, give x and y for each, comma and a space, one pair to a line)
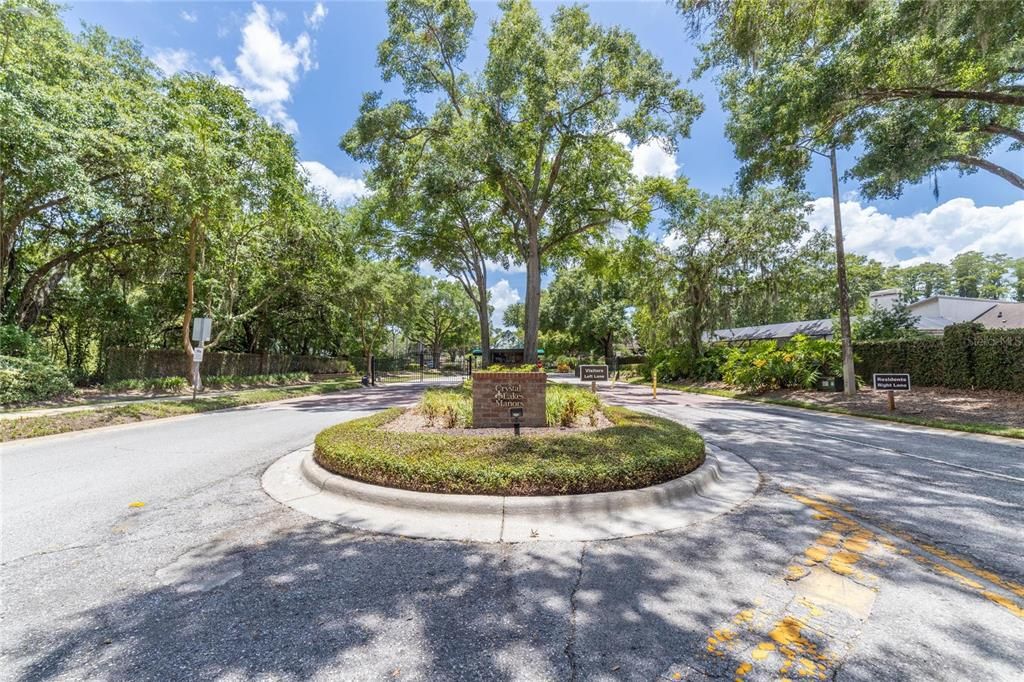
201, 327
197, 355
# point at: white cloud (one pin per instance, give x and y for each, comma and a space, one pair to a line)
938, 235
172, 61
502, 295
496, 267
190, 17
316, 17
267, 66
343, 190
650, 159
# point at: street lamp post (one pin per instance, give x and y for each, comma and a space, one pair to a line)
849, 377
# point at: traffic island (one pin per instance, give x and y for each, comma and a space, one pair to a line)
606, 473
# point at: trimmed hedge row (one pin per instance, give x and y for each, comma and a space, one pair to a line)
966, 356
130, 363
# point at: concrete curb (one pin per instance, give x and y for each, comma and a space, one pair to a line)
720, 484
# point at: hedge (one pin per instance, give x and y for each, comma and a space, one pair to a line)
130, 363
966, 356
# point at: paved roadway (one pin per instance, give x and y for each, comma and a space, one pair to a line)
872, 551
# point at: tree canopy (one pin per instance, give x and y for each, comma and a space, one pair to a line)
913, 87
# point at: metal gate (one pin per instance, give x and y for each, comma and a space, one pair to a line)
418, 367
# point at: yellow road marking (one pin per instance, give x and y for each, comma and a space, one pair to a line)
858, 542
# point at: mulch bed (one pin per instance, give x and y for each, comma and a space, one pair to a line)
970, 407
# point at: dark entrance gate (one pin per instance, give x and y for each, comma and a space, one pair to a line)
418, 367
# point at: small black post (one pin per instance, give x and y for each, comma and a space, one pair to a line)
373, 370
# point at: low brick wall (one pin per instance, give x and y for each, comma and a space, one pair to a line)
495, 393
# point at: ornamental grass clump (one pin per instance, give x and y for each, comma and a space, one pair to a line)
448, 407
567, 405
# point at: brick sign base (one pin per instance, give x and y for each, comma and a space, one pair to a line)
495, 393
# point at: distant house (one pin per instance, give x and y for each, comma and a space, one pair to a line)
934, 314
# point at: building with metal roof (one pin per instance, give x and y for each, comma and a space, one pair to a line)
933, 314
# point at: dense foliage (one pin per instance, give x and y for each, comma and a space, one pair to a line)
638, 450
912, 86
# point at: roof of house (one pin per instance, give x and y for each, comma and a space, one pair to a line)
781, 330
1000, 315
1003, 316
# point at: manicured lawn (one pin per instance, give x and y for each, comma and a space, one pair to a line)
78, 420
638, 450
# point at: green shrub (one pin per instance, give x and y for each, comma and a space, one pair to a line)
958, 354
447, 407
999, 359
235, 381
567, 404
638, 450
23, 380
763, 365
18, 343
922, 358
514, 368
163, 384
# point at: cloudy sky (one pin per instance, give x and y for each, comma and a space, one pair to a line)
305, 65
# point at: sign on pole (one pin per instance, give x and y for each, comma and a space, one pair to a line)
197, 354
201, 327
593, 372
891, 383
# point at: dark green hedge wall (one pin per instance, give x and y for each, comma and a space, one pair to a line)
966, 356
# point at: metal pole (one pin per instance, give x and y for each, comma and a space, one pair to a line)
849, 378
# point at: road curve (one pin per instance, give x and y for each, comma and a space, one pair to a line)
871, 551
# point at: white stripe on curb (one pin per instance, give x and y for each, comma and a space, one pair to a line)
723, 482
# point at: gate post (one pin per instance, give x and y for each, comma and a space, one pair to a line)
373, 370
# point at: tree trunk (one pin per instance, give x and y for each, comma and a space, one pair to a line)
532, 304
608, 339
435, 352
190, 291
484, 314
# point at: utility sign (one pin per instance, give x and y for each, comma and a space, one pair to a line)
201, 327
593, 372
891, 382
197, 354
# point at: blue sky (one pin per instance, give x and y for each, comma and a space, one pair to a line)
306, 65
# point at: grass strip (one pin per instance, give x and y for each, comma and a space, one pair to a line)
638, 450
80, 420
979, 427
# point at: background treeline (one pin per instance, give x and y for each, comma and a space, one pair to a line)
131, 202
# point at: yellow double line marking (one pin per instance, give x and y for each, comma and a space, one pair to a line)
965, 573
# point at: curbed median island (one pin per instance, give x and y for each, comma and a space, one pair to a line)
586, 447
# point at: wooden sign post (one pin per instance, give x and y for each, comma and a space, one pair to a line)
891, 383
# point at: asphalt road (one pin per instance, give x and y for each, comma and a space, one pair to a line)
872, 551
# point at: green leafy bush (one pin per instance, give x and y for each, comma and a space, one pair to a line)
638, 450
235, 381
514, 368
23, 380
763, 365
958, 354
163, 384
18, 343
566, 405
448, 407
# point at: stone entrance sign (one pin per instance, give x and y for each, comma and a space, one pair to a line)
495, 393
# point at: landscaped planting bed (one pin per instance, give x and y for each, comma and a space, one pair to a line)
635, 451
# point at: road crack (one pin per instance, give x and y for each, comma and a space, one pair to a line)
570, 644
